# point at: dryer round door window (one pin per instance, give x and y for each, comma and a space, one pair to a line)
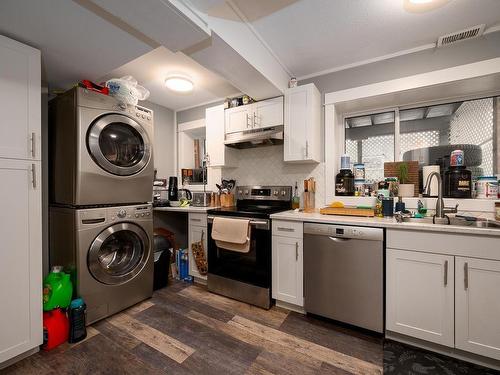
119, 144
118, 253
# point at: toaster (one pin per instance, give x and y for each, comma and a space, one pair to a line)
201, 199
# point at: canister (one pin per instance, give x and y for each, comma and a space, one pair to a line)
487, 187
359, 172
457, 158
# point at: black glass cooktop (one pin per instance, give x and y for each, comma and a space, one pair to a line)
249, 210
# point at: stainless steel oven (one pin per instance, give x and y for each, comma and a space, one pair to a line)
247, 276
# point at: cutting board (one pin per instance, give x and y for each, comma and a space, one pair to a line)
347, 211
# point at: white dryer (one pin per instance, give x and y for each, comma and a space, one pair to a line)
109, 253
100, 150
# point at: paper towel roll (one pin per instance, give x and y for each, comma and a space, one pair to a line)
426, 171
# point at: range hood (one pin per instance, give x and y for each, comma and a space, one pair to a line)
255, 138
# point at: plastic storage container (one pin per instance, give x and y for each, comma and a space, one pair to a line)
161, 261
57, 289
487, 187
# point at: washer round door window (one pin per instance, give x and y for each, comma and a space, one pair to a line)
118, 253
119, 144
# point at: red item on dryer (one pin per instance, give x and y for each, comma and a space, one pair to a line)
55, 328
89, 85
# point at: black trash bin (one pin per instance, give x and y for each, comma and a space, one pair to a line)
161, 261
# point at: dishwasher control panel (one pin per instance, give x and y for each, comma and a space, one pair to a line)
344, 231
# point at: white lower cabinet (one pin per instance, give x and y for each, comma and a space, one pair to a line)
20, 258
197, 230
477, 306
420, 295
287, 273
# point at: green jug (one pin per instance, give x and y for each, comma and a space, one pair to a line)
57, 289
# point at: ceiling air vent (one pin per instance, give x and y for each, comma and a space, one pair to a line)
458, 36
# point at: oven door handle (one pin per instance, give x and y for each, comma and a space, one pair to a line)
258, 223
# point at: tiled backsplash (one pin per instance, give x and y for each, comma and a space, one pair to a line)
265, 166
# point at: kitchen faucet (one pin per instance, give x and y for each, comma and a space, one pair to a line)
441, 210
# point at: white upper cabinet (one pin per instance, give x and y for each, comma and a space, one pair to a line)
218, 154
20, 100
262, 114
477, 306
239, 119
268, 113
303, 124
420, 295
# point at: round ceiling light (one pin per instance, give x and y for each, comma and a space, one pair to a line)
179, 84
422, 6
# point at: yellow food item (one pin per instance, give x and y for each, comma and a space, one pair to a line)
337, 204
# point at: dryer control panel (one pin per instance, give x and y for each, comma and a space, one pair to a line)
136, 112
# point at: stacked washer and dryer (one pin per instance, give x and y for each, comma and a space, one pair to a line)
101, 174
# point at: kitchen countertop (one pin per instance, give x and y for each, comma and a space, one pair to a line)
184, 209
387, 222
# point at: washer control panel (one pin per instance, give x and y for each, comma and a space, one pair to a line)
100, 215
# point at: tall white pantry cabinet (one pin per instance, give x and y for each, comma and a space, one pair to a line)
20, 198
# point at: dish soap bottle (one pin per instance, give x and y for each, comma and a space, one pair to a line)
296, 198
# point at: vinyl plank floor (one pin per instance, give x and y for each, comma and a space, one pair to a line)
184, 330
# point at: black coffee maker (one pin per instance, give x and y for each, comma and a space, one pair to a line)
172, 188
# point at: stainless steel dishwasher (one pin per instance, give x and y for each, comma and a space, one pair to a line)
343, 274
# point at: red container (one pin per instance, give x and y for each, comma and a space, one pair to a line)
55, 328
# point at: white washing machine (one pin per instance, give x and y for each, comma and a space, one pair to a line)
100, 150
109, 253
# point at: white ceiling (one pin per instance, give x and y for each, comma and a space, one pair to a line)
151, 69
313, 36
75, 43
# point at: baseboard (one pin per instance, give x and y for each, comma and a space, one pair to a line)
450, 352
18, 358
290, 306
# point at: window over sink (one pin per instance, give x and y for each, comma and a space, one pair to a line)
427, 134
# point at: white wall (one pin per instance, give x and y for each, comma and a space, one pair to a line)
265, 166
164, 139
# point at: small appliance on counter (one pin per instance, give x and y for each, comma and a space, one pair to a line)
172, 188
344, 181
201, 198
458, 179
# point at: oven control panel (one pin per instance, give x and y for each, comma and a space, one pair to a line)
276, 193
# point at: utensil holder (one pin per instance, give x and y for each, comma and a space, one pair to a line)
227, 200
309, 198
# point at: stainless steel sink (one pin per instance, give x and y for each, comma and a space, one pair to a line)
455, 221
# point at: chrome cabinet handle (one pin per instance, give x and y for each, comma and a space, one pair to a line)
445, 273
283, 229
33, 175
466, 276
296, 251
337, 239
307, 149
195, 219
33, 145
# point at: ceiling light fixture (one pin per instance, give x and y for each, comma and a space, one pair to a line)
422, 6
179, 84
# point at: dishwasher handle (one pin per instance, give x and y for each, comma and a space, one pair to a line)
339, 239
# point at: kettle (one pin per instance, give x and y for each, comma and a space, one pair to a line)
184, 193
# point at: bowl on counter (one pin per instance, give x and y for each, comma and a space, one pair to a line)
175, 203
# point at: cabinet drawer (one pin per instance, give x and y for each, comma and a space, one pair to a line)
198, 219
293, 229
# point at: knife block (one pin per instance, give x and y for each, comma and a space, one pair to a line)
227, 200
